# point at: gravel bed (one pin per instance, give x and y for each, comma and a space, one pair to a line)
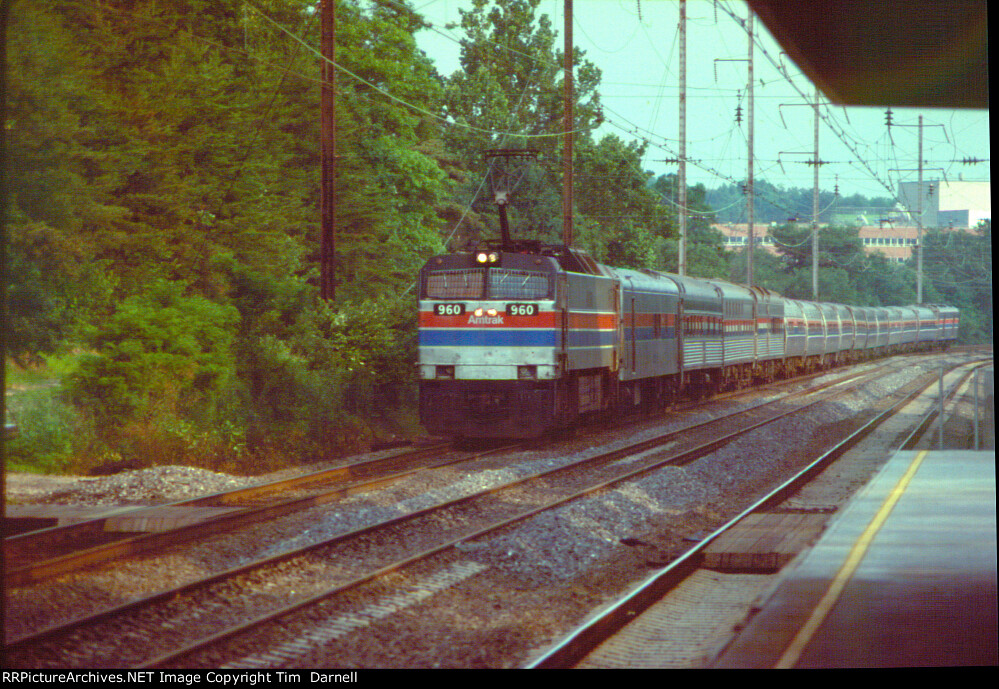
558, 566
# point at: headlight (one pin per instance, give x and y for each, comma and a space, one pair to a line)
487, 257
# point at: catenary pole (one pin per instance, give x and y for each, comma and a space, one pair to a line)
815, 207
750, 203
567, 229
682, 259
919, 220
327, 116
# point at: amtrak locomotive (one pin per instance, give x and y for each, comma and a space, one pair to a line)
520, 338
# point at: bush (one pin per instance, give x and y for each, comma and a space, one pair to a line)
50, 432
160, 354
324, 384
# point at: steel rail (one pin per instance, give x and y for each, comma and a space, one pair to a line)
125, 546
94, 618
344, 472
634, 448
150, 542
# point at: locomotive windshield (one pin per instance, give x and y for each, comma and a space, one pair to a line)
474, 284
455, 284
517, 284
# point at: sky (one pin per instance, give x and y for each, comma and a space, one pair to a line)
635, 44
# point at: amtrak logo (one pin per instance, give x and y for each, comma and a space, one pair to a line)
485, 320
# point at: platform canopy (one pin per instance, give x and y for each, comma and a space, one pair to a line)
902, 53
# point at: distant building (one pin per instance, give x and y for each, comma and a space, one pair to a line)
897, 243
960, 205
737, 235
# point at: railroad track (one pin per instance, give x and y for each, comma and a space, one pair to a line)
604, 630
37, 555
377, 551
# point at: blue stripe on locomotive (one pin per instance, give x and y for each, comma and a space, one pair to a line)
472, 337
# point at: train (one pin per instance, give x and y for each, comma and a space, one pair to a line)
518, 339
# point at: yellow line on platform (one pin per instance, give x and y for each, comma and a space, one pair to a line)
857, 552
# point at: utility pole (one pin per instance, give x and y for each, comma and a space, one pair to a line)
919, 220
327, 116
919, 200
749, 180
682, 270
567, 228
5, 9
816, 161
815, 207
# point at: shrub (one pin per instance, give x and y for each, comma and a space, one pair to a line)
160, 354
50, 432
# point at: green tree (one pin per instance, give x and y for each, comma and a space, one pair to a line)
508, 94
781, 204
627, 222
391, 188
706, 256
769, 271
841, 255
53, 124
175, 142
958, 272
160, 353
884, 283
838, 246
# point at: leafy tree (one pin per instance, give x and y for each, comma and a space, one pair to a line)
161, 352
958, 271
884, 283
780, 204
834, 285
511, 82
838, 246
175, 142
627, 222
706, 256
769, 271
391, 188
52, 123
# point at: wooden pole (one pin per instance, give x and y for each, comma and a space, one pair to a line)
751, 203
327, 75
682, 259
567, 228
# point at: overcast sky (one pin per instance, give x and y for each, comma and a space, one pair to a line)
634, 43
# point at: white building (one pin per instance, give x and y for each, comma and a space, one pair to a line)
948, 204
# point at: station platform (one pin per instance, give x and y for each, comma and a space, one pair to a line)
905, 576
